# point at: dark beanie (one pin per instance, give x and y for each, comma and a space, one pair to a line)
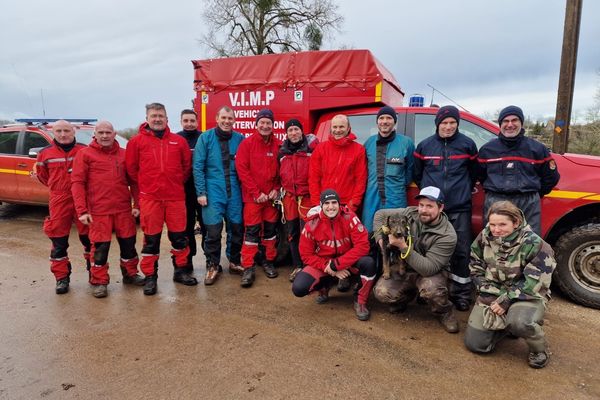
511, 110
265, 113
329, 194
387, 110
293, 122
447, 112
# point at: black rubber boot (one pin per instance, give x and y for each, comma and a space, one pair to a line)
150, 286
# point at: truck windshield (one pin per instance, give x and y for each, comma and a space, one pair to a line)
425, 127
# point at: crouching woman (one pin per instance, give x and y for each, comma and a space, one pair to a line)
511, 267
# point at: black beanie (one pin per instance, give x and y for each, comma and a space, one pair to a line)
511, 110
329, 194
293, 122
386, 110
447, 112
265, 113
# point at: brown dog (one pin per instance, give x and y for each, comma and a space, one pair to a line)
398, 226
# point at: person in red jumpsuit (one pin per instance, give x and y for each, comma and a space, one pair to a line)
53, 169
103, 202
339, 163
335, 245
294, 160
258, 170
159, 162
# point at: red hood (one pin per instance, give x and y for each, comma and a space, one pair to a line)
345, 141
114, 148
145, 129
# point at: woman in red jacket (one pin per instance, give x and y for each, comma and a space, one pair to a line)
294, 159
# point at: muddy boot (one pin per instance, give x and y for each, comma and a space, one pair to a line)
212, 273
150, 285
294, 273
100, 291
343, 285
181, 276
449, 321
236, 269
248, 277
538, 360
62, 286
270, 270
136, 280
362, 312
323, 296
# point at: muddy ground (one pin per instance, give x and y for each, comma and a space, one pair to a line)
225, 342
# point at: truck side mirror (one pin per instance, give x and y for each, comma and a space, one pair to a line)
33, 152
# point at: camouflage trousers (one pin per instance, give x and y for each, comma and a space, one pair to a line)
523, 319
401, 289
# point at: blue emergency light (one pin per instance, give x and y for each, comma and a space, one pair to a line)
43, 121
416, 100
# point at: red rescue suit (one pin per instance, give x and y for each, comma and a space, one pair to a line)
340, 242
100, 188
160, 166
258, 170
340, 165
53, 169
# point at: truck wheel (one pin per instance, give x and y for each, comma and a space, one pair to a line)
578, 269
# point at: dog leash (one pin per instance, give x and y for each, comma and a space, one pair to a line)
386, 231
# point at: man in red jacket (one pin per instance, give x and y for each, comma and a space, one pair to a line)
159, 162
258, 170
339, 163
334, 244
294, 159
53, 169
103, 202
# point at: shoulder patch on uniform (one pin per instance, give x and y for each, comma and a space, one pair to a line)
552, 164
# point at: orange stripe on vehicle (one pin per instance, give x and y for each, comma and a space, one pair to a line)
14, 171
378, 91
203, 112
565, 194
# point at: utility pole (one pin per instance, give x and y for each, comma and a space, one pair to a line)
566, 81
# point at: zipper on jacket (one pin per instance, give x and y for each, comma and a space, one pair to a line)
334, 241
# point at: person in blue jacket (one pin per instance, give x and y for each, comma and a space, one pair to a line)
389, 167
219, 193
448, 160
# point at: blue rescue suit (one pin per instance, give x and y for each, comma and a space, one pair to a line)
390, 170
216, 178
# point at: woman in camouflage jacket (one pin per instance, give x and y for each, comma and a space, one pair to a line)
511, 267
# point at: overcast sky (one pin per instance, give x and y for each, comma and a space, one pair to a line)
107, 59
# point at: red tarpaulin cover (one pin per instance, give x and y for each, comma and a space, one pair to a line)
320, 69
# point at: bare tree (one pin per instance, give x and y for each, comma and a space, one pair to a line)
251, 27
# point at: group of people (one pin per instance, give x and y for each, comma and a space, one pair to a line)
219, 178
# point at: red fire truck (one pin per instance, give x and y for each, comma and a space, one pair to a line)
314, 86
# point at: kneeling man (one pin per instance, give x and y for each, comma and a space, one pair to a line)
334, 245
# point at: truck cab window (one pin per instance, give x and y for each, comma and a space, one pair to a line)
8, 142
33, 140
363, 126
425, 127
